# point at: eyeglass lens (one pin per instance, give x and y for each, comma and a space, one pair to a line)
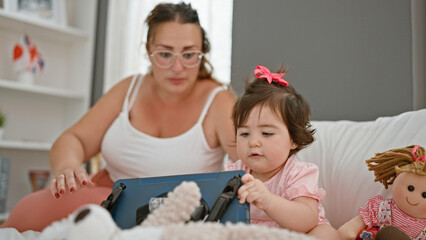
167, 59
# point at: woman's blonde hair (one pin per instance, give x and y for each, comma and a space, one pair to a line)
389, 164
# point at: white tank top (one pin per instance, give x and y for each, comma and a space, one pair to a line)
130, 153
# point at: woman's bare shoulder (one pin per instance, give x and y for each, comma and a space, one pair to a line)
225, 96
209, 85
122, 84
114, 97
224, 99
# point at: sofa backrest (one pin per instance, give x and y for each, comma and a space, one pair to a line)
340, 150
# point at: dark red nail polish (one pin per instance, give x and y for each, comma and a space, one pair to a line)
62, 191
57, 195
84, 183
72, 189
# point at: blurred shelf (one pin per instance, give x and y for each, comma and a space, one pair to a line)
38, 113
9, 84
25, 145
20, 22
4, 216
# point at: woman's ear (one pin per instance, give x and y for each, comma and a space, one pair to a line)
293, 145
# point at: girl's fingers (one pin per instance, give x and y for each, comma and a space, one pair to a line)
243, 196
246, 186
253, 197
247, 178
242, 189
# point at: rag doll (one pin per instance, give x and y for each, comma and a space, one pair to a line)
403, 216
169, 221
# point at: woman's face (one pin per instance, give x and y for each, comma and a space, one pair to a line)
175, 37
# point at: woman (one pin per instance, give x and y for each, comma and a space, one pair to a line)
174, 120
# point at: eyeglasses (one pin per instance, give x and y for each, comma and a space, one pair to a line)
166, 59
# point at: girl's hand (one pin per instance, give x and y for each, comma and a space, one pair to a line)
254, 192
351, 228
68, 179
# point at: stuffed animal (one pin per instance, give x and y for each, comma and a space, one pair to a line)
169, 221
403, 216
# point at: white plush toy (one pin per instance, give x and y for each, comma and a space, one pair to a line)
167, 222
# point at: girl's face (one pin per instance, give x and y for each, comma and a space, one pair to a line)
264, 143
177, 38
409, 194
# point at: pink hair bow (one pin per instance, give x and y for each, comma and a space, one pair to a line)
421, 158
263, 72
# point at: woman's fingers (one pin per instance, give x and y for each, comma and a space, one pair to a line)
70, 179
53, 188
60, 183
82, 177
76, 178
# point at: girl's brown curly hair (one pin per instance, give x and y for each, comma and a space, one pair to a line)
284, 101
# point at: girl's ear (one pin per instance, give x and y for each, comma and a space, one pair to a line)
293, 146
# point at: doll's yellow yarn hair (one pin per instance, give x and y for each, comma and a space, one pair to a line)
389, 164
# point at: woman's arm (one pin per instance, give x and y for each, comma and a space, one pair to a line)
83, 140
222, 117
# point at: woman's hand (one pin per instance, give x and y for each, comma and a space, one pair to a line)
254, 192
69, 179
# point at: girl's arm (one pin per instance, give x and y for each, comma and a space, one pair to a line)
351, 229
299, 214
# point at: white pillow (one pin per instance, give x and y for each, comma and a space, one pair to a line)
340, 150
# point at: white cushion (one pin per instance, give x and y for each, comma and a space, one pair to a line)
340, 150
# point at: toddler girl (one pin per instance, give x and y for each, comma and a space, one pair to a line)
271, 123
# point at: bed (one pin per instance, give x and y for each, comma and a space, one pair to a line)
340, 151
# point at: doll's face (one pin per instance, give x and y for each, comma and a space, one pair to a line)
409, 194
